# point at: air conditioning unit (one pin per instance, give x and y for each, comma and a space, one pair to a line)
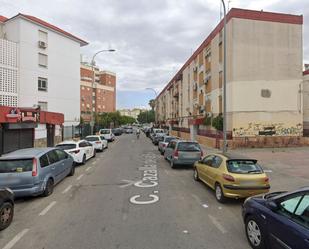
42, 44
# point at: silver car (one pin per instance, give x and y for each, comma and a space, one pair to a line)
163, 144
180, 152
34, 171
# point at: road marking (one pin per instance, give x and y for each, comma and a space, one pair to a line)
220, 208
89, 168
67, 189
197, 199
15, 239
93, 162
268, 171
45, 210
185, 231
166, 172
205, 205
217, 224
80, 177
128, 183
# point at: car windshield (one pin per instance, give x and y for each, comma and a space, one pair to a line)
188, 146
105, 131
16, 165
168, 139
66, 146
92, 139
243, 167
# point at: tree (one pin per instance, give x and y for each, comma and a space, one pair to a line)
217, 122
112, 119
146, 117
152, 104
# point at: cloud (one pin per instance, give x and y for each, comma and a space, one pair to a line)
152, 38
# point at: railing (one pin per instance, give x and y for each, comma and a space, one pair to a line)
214, 134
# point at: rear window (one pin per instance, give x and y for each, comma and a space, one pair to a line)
92, 139
18, 165
102, 137
105, 131
188, 146
243, 167
66, 146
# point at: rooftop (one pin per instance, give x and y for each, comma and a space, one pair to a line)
46, 25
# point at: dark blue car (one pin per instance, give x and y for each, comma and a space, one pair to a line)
278, 220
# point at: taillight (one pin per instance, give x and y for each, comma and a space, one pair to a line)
266, 179
98, 142
164, 145
34, 167
228, 178
176, 154
75, 151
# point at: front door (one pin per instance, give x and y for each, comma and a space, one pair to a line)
50, 135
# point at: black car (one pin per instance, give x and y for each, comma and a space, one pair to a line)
278, 220
6, 207
117, 131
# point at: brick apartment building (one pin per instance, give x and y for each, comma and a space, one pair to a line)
102, 98
264, 82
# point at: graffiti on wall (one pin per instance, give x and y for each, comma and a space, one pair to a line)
270, 129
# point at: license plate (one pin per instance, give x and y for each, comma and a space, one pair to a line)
248, 183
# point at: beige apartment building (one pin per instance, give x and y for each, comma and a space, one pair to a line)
264, 82
131, 112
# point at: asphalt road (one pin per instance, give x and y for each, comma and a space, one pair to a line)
100, 207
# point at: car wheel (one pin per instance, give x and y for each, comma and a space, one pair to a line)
84, 160
219, 193
254, 233
72, 172
49, 188
6, 215
195, 174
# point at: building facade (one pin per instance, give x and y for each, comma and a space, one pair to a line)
39, 67
306, 100
264, 79
131, 112
101, 97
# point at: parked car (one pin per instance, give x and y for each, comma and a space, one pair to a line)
6, 207
107, 134
117, 131
34, 171
98, 141
162, 144
81, 150
158, 137
129, 130
181, 152
278, 220
231, 176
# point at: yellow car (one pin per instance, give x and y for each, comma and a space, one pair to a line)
231, 177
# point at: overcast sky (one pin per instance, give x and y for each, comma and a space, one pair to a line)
152, 38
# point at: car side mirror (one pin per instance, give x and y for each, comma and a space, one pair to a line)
272, 206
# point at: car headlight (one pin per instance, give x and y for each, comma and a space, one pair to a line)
10, 190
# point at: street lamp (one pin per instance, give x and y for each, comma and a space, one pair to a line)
92, 85
224, 80
149, 88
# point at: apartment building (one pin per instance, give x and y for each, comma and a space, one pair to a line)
306, 99
101, 96
264, 79
39, 70
131, 112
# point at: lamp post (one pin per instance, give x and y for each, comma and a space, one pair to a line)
93, 84
224, 80
155, 92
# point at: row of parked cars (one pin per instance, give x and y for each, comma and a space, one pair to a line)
272, 220
36, 171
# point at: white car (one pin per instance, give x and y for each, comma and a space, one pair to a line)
97, 141
81, 150
108, 134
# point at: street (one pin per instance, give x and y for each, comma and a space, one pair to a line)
129, 197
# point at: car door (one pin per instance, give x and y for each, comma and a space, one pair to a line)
169, 150
64, 163
203, 168
213, 170
289, 226
53, 165
90, 148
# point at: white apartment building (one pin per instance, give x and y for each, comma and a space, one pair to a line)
41, 68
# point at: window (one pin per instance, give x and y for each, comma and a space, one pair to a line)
61, 155
216, 162
53, 156
15, 165
83, 144
188, 146
42, 84
43, 105
66, 146
44, 161
289, 206
208, 160
42, 60
42, 36
243, 167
